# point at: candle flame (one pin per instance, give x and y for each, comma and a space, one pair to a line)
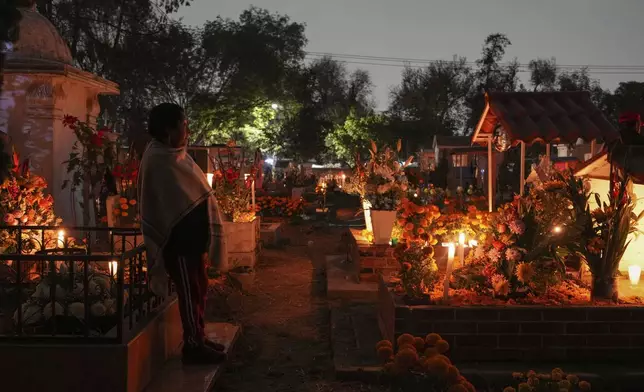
451, 250
634, 272
113, 266
210, 176
461, 239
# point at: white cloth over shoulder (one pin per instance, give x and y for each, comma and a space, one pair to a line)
170, 185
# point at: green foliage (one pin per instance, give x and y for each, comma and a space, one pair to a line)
418, 271
354, 136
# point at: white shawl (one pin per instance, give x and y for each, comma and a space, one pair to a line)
170, 185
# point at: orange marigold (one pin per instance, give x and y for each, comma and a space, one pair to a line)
385, 352
437, 368
442, 346
405, 338
406, 358
432, 338
431, 352
419, 344
452, 374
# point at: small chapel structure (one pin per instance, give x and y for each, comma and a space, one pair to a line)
41, 85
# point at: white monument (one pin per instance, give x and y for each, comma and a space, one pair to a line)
41, 86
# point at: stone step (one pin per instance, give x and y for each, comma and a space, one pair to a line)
176, 377
342, 284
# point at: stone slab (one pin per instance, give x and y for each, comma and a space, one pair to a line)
177, 377
270, 234
341, 284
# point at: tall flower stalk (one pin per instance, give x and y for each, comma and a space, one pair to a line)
93, 154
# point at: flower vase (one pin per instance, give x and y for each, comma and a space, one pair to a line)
366, 207
382, 222
604, 289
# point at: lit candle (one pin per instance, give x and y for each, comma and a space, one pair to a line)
210, 176
113, 266
461, 248
451, 250
634, 272
344, 176
61, 239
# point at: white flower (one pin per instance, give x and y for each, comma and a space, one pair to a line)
31, 314
43, 291
98, 309
77, 309
110, 306
512, 254
47, 310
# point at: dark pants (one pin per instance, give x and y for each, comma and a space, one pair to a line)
188, 272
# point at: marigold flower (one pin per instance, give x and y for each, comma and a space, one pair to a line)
122, 200
442, 346
431, 352
406, 358
385, 352
444, 359
457, 388
437, 367
124, 206
584, 385
432, 339
419, 344
525, 272
383, 343
452, 373
124, 213
405, 339
572, 378
407, 346
524, 387
132, 202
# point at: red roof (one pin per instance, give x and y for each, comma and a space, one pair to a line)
544, 117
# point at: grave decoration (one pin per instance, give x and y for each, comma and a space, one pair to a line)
233, 184
384, 187
92, 156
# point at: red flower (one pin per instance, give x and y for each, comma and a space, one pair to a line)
70, 121
498, 245
97, 139
231, 175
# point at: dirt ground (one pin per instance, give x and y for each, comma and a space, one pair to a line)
285, 344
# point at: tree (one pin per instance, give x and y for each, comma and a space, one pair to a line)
491, 75
543, 74
322, 96
354, 136
248, 64
432, 100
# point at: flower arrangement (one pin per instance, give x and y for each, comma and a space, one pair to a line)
421, 364
23, 203
416, 220
418, 271
384, 178
69, 300
556, 380
124, 210
475, 224
280, 206
93, 154
603, 232
232, 190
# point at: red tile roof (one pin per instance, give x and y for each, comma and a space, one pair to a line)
544, 117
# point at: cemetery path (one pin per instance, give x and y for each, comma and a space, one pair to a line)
285, 344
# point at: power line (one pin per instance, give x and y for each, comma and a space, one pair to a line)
409, 62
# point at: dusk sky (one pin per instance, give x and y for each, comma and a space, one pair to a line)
575, 32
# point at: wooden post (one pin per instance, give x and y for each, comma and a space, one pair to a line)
548, 152
490, 175
522, 182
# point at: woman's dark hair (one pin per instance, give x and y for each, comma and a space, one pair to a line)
162, 117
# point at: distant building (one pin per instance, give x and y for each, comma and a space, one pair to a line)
464, 161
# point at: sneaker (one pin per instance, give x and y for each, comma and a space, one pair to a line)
202, 355
214, 345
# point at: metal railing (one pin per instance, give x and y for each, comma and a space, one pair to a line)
58, 288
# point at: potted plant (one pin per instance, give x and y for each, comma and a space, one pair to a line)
385, 185
603, 232
232, 183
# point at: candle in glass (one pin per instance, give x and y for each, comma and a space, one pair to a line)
451, 250
461, 248
61, 239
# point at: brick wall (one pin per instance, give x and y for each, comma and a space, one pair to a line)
526, 333
370, 260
